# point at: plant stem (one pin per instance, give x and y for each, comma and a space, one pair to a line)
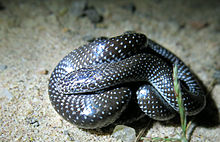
180, 103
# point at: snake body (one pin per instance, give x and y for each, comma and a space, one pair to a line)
89, 87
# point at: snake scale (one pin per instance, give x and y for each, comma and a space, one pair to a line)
89, 87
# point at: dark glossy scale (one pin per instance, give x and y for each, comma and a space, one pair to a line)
88, 86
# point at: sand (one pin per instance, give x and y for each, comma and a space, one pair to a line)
36, 35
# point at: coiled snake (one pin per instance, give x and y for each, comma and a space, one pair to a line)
88, 86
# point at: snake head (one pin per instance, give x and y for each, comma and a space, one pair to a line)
80, 81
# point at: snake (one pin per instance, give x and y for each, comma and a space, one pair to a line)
92, 86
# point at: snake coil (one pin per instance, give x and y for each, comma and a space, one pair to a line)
88, 86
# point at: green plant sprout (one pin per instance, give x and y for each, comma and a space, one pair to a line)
180, 103
182, 114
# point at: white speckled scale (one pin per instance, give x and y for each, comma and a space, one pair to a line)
88, 86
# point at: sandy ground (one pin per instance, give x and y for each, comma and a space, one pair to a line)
36, 35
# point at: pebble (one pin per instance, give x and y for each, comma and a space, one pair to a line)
43, 72
78, 7
93, 15
124, 133
88, 38
199, 25
3, 67
33, 121
4, 93
71, 138
216, 76
130, 7
2, 7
